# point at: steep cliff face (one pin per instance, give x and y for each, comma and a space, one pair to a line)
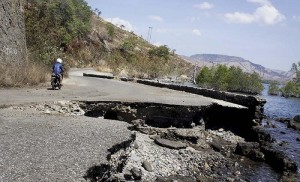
12, 32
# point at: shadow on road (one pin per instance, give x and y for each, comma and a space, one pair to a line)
98, 173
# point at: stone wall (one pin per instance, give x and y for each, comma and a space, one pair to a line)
12, 32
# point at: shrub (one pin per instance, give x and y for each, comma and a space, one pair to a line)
273, 88
110, 31
52, 24
230, 79
161, 52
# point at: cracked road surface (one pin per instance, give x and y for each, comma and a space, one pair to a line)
38, 147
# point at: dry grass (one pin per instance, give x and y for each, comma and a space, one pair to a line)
12, 75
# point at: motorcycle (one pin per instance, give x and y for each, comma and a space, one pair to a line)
56, 81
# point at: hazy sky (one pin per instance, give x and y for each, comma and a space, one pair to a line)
266, 32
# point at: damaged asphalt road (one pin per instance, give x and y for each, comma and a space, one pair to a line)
40, 147
35, 146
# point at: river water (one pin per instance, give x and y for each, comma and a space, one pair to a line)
286, 138
277, 106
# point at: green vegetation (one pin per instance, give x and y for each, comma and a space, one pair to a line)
161, 52
132, 59
111, 31
292, 88
68, 29
128, 45
273, 88
229, 79
51, 25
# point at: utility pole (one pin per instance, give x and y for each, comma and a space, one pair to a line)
149, 34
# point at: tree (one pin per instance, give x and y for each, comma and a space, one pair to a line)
273, 88
289, 89
232, 79
255, 85
204, 77
219, 79
292, 88
97, 11
296, 69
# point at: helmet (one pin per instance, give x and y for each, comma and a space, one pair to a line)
59, 60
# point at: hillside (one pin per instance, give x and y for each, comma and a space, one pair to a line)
74, 33
245, 65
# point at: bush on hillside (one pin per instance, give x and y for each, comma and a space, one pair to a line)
52, 24
110, 31
161, 52
128, 45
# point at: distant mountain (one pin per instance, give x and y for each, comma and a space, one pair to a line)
245, 65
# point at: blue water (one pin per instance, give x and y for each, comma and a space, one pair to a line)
286, 138
280, 107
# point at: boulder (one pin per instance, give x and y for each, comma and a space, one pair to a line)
170, 144
293, 124
297, 118
147, 166
136, 173
251, 150
187, 134
278, 160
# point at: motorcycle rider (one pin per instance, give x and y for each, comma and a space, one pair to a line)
58, 69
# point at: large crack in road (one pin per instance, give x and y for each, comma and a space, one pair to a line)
46, 139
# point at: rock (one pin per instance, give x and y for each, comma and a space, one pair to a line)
153, 137
245, 148
262, 135
297, 118
135, 145
170, 144
237, 173
47, 111
187, 134
12, 38
201, 178
298, 139
251, 150
63, 103
283, 120
230, 179
293, 124
216, 146
136, 173
138, 122
176, 178
147, 166
206, 166
278, 160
